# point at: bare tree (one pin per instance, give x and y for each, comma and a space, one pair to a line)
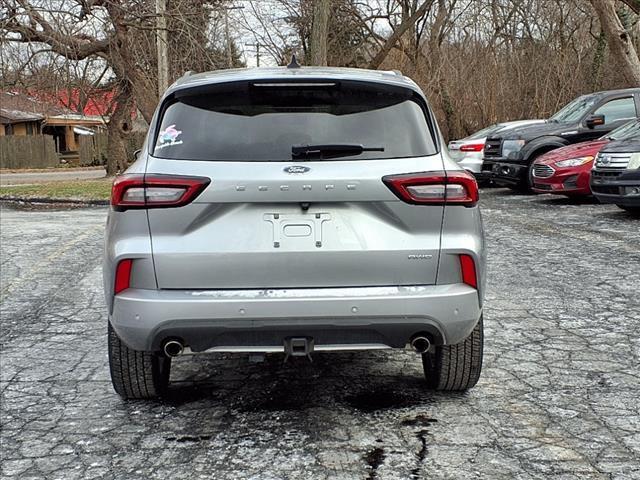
121, 35
398, 33
478, 61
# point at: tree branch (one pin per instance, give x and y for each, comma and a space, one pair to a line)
399, 31
73, 48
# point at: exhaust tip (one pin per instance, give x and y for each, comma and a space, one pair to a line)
173, 348
420, 344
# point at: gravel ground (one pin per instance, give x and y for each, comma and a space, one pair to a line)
558, 397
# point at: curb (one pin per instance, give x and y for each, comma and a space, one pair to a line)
51, 201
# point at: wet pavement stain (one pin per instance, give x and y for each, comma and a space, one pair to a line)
280, 402
187, 438
379, 399
421, 420
422, 454
285, 396
179, 395
374, 459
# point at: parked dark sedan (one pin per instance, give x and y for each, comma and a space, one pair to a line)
616, 174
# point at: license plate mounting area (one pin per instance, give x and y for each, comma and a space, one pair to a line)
296, 230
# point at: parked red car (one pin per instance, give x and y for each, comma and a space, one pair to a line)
567, 170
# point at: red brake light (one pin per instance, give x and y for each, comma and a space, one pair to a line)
435, 188
123, 275
153, 191
472, 147
468, 267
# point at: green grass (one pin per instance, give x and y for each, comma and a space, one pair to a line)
73, 189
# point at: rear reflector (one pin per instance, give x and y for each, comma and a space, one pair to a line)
468, 268
155, 191
435, 188
473, 147
123, 276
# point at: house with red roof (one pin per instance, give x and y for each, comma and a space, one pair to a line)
25, 114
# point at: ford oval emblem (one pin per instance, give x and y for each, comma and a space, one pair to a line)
296, 169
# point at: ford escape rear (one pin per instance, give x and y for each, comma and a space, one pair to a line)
293, 210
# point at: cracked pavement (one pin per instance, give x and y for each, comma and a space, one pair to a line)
558, 397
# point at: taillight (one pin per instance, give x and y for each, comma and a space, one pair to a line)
472, 147
435, 188
123, 276
468, 268
154, 191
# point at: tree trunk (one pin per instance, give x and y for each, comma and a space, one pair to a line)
320, 32
117, 129
620, 43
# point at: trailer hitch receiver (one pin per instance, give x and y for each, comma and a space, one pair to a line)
298, 347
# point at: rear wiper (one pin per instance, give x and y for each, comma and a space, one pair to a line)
331, 150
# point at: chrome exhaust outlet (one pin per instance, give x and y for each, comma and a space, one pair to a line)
173, 348
420, 344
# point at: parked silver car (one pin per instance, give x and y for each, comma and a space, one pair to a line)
468, 151
293, 210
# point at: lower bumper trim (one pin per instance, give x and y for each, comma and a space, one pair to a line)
145, 319
281, 349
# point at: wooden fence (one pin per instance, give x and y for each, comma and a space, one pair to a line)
31, 151
93, 148
39, 151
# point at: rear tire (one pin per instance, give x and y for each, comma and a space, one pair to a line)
136, 374
455, 367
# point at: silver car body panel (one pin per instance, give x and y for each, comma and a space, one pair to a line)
263, 253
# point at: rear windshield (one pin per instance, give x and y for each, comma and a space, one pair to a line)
262, 122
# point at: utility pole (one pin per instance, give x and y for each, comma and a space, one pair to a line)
162, 41
228, 39
227, 35
257, 45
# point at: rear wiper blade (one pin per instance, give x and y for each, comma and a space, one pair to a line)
331, 150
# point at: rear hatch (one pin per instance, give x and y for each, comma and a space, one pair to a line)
293, 199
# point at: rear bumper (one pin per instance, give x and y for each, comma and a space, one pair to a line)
505, 173
342, 318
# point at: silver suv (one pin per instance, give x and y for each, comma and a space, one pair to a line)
293, 210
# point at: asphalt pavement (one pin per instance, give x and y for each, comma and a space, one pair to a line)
558, 398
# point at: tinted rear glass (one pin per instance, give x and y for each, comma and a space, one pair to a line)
261, 122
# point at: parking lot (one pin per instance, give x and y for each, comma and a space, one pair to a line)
558, 397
